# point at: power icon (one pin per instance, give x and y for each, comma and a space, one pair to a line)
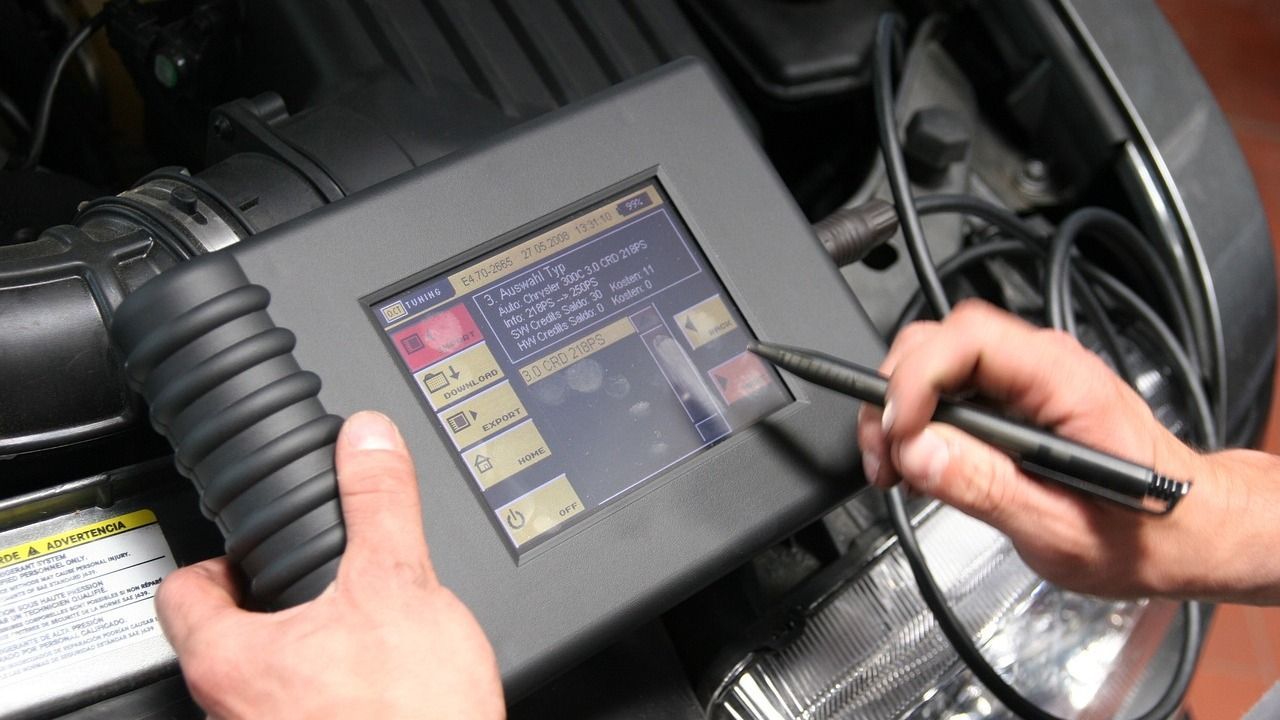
515, 519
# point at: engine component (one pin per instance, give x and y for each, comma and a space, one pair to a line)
63, 381
417, 83
796, 52
936, 138
181, 58
280, 107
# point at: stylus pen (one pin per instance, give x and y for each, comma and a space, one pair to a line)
1036, 451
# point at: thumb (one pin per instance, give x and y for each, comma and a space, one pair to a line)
975, 478
193, 597
379, 493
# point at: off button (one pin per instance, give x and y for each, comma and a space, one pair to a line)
540, 511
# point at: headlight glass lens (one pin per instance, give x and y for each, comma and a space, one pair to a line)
870, 648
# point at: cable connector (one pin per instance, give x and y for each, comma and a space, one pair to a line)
850, 234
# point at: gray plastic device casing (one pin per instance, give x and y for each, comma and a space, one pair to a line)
642, 554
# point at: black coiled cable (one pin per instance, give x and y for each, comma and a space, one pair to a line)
1028, 242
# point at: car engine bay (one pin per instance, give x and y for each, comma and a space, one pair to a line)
362, 163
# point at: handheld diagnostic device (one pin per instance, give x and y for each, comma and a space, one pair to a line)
607, 332
558, 322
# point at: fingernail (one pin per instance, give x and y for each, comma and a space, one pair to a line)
924, 458
870, 466
887, 418
370, 430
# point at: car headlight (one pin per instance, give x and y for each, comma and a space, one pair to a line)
870, 648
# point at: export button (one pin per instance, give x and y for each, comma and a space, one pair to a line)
488, 413
540, 511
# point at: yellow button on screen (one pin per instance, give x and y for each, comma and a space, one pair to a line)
504, 455
466, 373
705, 321
540, 511
488, 413
559, 359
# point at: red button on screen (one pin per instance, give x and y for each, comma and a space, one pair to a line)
436, 336
743, 376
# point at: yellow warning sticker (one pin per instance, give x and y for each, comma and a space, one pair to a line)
76, 600
73, 538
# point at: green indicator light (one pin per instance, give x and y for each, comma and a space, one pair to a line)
166, 71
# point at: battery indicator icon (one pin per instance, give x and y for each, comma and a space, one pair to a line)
634, 204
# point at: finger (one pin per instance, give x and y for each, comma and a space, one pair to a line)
906, 343
871, 439
975, 478
908, 339
875, 468
870, 442
1041, 374
194, 597
379, 493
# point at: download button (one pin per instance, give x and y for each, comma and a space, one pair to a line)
459, 376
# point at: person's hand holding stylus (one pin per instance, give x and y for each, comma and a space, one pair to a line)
1208, 548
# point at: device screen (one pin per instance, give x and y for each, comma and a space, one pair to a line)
576, 363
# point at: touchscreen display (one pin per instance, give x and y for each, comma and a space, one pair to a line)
575, 364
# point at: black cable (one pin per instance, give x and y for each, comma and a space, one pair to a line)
1183, 368
1021, 249
1003, 219
1009, 223
896, 166
41, 129
1130, 240
959, 263
929, 590
13, 114
1014, 226
1107, 332
933, 290
1123, 236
